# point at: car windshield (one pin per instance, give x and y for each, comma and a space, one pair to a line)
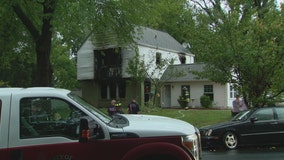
242, 116
98, 113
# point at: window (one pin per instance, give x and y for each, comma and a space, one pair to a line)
182, 58
0, 110
158, 58
113, 89
45, 117
208, 91
264, 114
280, 113
185, 88
233, 92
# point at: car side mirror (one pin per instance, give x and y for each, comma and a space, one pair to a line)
253, 119
84, 131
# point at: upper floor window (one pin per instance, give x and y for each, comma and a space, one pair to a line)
208, 91
158, 58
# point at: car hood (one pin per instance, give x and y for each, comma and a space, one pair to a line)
150, 125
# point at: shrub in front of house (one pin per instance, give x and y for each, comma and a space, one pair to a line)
205, 101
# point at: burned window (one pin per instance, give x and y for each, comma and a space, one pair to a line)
182, 58
158, 58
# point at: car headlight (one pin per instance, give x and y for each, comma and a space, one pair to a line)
208, 132
193, 144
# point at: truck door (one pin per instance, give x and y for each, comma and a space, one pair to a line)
46, 128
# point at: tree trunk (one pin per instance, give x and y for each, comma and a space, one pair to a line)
43, 47
44, 68
42, 41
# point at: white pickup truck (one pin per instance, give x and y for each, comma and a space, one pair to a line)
43, 123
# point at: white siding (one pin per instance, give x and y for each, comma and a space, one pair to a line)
126, 54
148, 55
85, 61
196, 91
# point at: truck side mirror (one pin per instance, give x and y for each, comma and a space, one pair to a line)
84, 131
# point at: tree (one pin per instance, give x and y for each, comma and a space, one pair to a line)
36, 23
242, 43
140, 71
172, 16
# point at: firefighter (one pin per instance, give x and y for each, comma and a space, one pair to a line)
118, 107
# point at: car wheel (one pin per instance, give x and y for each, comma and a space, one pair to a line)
230, 140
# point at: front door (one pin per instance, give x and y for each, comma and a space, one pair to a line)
167, 98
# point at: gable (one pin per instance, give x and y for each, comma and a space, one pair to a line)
85, 61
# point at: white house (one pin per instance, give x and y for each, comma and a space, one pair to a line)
102, 71
221, 95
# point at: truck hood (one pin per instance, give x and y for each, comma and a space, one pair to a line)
150, 125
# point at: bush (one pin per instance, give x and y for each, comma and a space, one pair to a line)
205, 101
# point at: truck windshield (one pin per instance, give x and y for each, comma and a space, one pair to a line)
98, 113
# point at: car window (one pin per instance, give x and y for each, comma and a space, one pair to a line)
280, 113
0, 110
45, 117
264, 114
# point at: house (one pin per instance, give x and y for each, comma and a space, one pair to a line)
102, 71
221, 95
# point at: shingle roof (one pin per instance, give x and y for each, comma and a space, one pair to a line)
186, 70
161, 40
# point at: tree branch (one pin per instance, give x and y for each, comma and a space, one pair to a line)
26, 21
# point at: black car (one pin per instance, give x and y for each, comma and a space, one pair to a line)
258, 126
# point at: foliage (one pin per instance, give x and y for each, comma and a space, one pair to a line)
32, 27
242, 44
205, 101
140, 71
3, 84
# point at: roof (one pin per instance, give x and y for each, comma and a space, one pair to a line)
159, 39
145, 36
186, 70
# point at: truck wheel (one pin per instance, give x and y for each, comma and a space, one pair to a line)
230, 140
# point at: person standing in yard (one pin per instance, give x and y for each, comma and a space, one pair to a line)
133, 107
238, 106
111, 109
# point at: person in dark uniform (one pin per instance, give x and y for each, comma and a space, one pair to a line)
133, 107
111, 109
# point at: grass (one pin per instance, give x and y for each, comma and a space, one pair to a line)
196, 117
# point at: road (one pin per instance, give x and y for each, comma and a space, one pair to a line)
245, 154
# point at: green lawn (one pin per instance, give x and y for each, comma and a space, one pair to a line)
197, 117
